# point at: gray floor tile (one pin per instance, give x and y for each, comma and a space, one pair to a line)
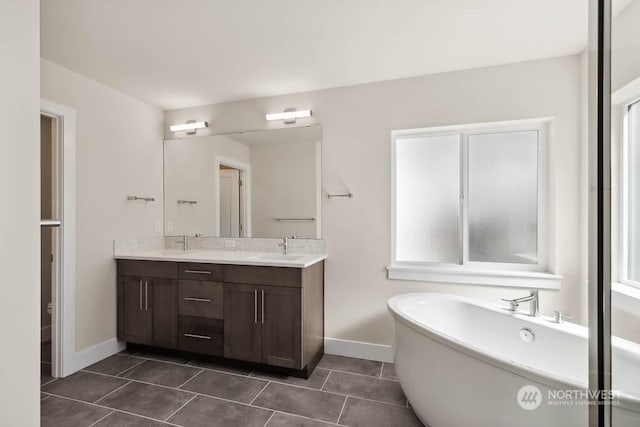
114, 365
219, 367
56, 412
281, 419
127, 352
161, 373
349, 364
45, 373
362, 386
389, 371
84, 386
364, 413
227, 386
119, 419
148, 400
210, 412
162, 357
301, 401
316, 380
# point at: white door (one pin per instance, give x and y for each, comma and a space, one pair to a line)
229, 203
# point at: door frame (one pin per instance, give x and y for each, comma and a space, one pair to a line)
63, 316
245, 192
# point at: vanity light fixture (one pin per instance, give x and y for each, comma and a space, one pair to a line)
191, 126
289, 115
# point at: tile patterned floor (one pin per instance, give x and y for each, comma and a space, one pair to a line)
144, 389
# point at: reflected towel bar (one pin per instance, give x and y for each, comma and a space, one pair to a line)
146, 199
295, 219
332, 196
187, 202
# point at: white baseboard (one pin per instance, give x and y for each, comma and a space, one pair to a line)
360, 350
94, 354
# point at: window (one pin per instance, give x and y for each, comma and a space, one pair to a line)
471, 201
630, 236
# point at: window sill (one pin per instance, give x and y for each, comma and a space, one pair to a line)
625, 298
506, 278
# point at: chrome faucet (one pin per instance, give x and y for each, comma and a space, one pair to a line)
532, 299
285, 245
185, 241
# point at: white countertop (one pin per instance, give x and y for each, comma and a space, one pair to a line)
269, 259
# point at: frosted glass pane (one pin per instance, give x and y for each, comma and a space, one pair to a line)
503, 197
428, 199
634, 192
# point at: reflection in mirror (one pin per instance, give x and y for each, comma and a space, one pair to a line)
249, 184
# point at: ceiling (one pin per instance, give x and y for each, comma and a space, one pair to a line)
176, 54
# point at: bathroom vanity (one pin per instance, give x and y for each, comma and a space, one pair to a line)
265, 309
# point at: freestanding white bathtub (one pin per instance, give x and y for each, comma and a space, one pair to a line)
462, 362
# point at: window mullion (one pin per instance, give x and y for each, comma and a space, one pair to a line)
464, 198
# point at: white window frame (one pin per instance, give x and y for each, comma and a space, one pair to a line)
623, 238
625, 294
470, 272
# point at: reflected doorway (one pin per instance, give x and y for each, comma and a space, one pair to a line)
231, 202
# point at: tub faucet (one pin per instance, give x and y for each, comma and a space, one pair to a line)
532, 299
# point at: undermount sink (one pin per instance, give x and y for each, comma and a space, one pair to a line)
278, 257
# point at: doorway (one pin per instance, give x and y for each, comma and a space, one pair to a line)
58, 180
49, 237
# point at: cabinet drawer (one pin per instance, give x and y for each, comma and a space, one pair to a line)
160, 269
206, 272
270, 276
201, 335
200, 299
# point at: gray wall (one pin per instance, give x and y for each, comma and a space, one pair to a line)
356, 155
20, 213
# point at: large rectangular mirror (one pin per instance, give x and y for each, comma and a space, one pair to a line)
248, 184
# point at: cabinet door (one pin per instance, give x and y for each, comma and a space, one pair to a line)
162, 304
241, 325
134, 317
281, 319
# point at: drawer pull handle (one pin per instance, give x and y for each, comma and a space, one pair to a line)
197, 272
200, 337
197, 299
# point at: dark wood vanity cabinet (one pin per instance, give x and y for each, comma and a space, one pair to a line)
263, 324
267, 315
147, 303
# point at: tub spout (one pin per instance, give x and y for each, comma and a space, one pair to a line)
532, 299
